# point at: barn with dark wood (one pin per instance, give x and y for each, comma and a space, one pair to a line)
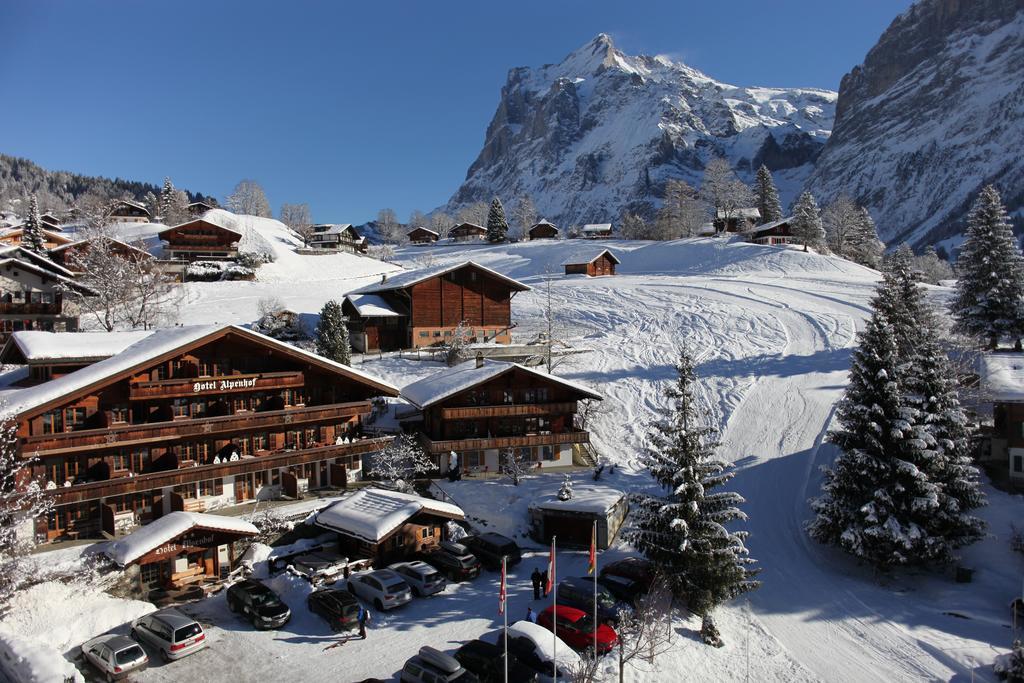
543, 231
421, 235
467, 232
592, 263
776, 232
425, 307
200, 240
129, 211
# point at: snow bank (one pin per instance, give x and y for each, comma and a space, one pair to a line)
27, 661
1003, 376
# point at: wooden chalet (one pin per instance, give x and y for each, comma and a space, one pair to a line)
65, 254
387, 526
32, 289
129, 211
776, 232
1002, 382
200, 240
182, 549
424, 308
593, 231
542, 231
597, 263
736, 220
13, 237
339, 237
49, 221
190, 418
197, 209
421, 235
467, 232
482, 407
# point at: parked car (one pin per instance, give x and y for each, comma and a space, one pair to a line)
115, 656
576, 628
579, 593
339, 607
636, 568
487, 662
454, 561
491, 547
421, 577
383, 587
622, 588
431, 665
261, 605
320, 567
532, 644
173, 633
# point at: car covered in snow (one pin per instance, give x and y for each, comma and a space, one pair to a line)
116, 657
262, 606
421, 577
535, 646
383, 587
490, 547
454, 561
576, 627
430, 665
339, 607
173, 633
487, 662
320, 567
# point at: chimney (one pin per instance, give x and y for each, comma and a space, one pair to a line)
479, 359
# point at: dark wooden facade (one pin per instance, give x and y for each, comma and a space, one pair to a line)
421, 235
124, 211
467, 232
209, 423
602, 264
200, 240
543, 231
66, 255
778, 232
421, 533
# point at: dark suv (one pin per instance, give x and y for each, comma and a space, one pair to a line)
339, 607
491, 547
260, 604
454, 561
487, 661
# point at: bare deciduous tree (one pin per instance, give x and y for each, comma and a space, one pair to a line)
400, 462
475, 213
298, 218
523, 215
634, 227
840, 219
645, 633
683, 212
388, 227
724, 192
248, 198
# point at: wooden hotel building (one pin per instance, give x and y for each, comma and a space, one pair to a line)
201, 239
187, 419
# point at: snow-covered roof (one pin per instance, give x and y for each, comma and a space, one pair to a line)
585, 498
126, 550
118, 242
421, 228
413, 277
372, 514
23, 253
331, 228
751, 212
544, 643
589, 257
45, 272
133, 203
222, 219
1003, 376
36, 345
774, 224
545, 223
158, 343
473, 226
597, 227
446, 383
373, 306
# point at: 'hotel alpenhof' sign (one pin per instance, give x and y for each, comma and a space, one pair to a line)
227, 384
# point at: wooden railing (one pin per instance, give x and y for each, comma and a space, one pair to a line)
508, 410
159, 480
172, 388
477, 444
163, 432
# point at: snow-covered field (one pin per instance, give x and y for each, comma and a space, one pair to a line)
773, 329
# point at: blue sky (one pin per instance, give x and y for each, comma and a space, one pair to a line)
353, 107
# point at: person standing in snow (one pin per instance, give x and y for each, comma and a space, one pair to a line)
544, 581
364, 616
535, 579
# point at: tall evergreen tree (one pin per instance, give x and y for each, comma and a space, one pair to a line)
684, 532
807, 226
497, 226
989, 301
332, 339
767, 196
32, 231
166, 200
862, 244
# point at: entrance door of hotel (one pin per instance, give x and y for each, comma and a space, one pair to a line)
243, 488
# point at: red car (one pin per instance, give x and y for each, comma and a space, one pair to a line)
576, 628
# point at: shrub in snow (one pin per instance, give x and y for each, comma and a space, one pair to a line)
901, 490
684, 531
459, 341
709, 632
400, 462
279, 323
204, 271
254, 259
271, 526
565, 492
989, 301
236, 271
332, 340
1010, 667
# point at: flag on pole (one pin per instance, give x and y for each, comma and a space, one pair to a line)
551, 567
502, 593
592, 566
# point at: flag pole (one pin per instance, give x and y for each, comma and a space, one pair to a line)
593, 569
554, 613
504, 600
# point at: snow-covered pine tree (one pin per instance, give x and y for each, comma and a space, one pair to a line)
32, 230
497, 226
767, 196
684, 532
166, 201
989, 301
861, 243
565, 491
807, 228
332, 334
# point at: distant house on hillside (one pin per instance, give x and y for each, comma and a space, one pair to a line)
197, 209
64, 254
337, 236
776, 232
421, 235
593, 231
200, 240
50, 221
425, 307
13, 237
595, 263
543, 231
1002, 382
736, 220
129, 211
32, 293
467, 232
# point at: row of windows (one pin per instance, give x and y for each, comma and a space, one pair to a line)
477, 459
8, 326
512, 426
450, 333
485, 397
20, 297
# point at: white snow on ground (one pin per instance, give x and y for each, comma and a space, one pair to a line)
773, 329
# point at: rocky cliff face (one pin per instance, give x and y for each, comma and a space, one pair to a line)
935, 112
600, 133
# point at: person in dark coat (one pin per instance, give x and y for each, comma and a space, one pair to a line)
364, 616
535, 579
544, 581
